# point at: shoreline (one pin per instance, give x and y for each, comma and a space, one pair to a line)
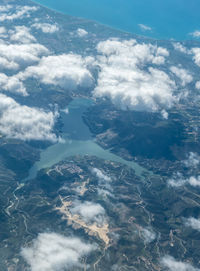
115, 28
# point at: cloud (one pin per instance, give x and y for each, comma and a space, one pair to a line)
19, 12
193, 223
90, 212
179, 47
144, 27
195, 34
67, 71
184, 75
196, 57
46, 27
6, 64
2, 32
148, 235
197, 85
171, 264
126, 78
25, 123
55, 252
5, 8
21, 54
101, 176
21, 34
12, 84
81, 32
193, 160
178, 180
104, 183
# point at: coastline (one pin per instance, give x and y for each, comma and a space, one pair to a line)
130, 28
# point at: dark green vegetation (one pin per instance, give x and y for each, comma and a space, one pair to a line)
134, 204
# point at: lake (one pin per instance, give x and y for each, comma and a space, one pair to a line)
171, 19
78, 141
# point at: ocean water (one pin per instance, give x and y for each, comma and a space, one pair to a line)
168, 19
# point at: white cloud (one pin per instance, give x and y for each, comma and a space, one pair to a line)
81, 32
25, 123
12, 84
66, 110
19, 12
126, 79
145, 27
193, 160
104, 183
148, 235
55, 252
101, 176
46, 27
90, 212
178, 180
5, 8
2, 31
179, 47
67, 71
173, 265
6, 64
195, 34
197, 85
21, 54
182, 74
21, 34
196, 53
193, 223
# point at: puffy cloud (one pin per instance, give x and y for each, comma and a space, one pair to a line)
145, 27
19, 12
148, 235
12, 84
21, 54
6, 64
182, 74
193, 160
2, 31
127, 79
178, 180
104, 183
134, 53
25, 123
173, 265
81, 32
67, 71
55, 252
101, 176
90, 212
195, 34
5, 8
197, 85
179, 47
21, 34
193, 223
46, 27
196, 53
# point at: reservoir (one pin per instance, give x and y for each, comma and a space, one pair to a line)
77, 141
171, 19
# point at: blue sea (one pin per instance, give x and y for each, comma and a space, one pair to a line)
164, 19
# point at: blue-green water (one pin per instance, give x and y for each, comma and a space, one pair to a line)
78, 141
169, 19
